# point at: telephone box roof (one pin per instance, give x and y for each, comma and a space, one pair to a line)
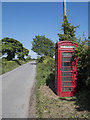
66, 41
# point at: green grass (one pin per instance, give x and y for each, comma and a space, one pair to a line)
44, 69
50, 107
6, 66
41, 80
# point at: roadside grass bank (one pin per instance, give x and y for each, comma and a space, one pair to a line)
7, 66
48, 104
45, 67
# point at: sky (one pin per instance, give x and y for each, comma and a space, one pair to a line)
23, 20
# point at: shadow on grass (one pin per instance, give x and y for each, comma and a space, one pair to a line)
83, 100
50, 81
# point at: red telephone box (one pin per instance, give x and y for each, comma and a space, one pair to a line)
66, 69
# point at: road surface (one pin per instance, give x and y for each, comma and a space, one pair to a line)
16, 91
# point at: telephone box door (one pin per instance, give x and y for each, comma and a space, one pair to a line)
67, 73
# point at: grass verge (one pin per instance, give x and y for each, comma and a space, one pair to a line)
44, 69
7, 66
49, 105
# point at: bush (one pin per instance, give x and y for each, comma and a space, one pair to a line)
49, 63
40, 59
44, 68
88, 69
83, 55
28, 58
9, 65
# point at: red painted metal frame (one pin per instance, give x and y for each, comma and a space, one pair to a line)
59, 68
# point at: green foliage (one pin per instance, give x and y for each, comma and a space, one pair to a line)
40, 59
23, 53
45, 67
69, 31
88, 68
0, 65
43, 46
49, 63
28, 58
10, 65
0, 48
82, 53
12, 47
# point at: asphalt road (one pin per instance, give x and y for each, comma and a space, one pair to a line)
16, 91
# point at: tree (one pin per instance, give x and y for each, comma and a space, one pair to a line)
23, 53
43, 46
12, 47
69, 31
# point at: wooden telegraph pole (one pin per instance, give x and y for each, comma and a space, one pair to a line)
64, 7
64, 11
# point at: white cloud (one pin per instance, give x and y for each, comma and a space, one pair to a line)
33, 54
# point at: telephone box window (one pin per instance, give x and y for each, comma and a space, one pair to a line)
66, 54
67, 68
68, 84
68, 89
67, 73
67, 64
68, 78
67, 59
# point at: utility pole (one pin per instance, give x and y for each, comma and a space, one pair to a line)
64, 11
64, 7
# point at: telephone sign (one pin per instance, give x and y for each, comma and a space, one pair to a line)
67, 46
